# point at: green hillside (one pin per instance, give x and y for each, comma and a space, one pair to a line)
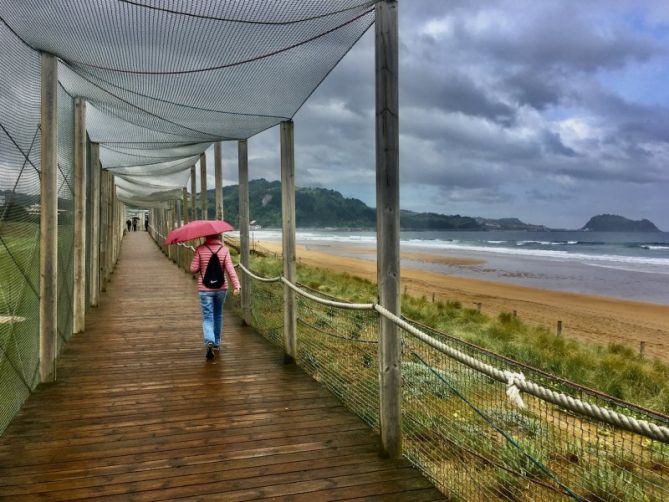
615, 223
323, 208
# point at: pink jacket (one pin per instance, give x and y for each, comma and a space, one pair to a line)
201, 259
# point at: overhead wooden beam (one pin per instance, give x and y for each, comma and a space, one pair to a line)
288, 237
388, 223
48, 218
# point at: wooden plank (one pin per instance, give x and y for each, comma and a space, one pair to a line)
139, 414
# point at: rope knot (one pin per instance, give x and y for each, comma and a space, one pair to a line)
512, 391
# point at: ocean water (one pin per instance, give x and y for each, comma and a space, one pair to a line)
633, 266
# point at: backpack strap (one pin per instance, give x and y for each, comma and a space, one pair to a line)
212, 252
201, 274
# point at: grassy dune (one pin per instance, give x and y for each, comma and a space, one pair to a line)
614, 369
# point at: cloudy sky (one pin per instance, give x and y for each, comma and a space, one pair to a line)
549, 111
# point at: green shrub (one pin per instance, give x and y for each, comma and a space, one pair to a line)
608, 484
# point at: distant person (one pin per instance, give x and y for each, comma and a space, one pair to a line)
134, 224
146, 224
128, 223
212, 261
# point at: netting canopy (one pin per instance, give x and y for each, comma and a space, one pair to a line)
166, 78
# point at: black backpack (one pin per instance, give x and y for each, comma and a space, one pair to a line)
213, 277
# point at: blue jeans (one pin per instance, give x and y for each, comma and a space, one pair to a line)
212, 315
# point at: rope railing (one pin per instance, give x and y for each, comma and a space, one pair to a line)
515, 381
477, 424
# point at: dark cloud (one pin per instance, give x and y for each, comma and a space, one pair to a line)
506, 108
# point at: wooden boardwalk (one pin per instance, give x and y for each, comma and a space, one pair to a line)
137, 413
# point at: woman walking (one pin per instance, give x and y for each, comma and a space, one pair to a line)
212, 262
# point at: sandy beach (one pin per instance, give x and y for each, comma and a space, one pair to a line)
591, 319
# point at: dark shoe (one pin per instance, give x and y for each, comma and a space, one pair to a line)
210, 352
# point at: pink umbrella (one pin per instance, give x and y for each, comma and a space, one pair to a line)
196, 229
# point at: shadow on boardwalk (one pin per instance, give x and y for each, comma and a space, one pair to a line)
137, 413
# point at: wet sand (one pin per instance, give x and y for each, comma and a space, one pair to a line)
591, 319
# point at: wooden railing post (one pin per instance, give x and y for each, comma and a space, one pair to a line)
288, 237
388, 223
79, 258
243, 164
193, 193
218, 177
94, 284
113, 230
48, 310
184, 204
203, 186
104, 228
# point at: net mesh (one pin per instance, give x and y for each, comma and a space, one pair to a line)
462, 430
19, 223
173, 77
459, 426
339, 349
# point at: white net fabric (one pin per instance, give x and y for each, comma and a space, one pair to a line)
165, 79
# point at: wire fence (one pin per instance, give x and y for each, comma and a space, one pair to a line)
19, 224
20, 210
527, 435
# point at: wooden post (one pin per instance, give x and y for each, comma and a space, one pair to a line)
243, 165
171, 217
48, 306
388, 223
203, 186
559, 328
104, 228
642, 349
114, 227
79, 257
94, 284
108, 227
478, 306
432, 297
193, 192
515, 314
218, 175
184, 204
288, 238
113, 216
